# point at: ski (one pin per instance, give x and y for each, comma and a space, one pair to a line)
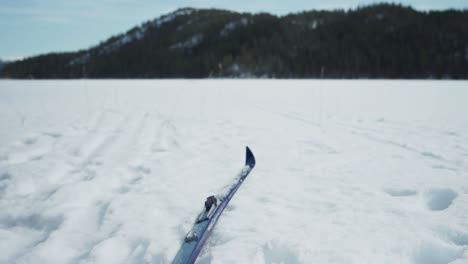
206, 220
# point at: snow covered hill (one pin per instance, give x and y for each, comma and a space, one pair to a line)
378, 41
347, 171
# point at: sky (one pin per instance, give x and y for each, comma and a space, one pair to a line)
32, 27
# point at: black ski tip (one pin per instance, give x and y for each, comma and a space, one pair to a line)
249, 158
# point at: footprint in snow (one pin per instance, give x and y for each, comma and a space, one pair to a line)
140, 168
33, 221
435, 252
431, 155
5, 176
275, 253
455, 236
26, 156
29, 140
3, 156
4, 181
451, 133
440, 199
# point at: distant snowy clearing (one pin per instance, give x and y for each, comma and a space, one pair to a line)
347, 171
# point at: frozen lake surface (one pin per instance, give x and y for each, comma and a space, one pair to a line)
347, 171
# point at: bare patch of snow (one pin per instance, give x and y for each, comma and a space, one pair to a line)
192, 42
231, 26
123, 40
308, 24
313, 24
170, 17
135, 35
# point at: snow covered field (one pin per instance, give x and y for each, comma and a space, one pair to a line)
347, 171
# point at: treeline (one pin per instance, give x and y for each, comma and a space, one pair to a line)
2, 64
378, 41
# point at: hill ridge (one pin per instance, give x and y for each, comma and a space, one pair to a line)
377, 41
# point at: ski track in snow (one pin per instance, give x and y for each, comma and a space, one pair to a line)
347, 171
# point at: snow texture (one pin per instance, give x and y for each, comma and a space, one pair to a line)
347, 171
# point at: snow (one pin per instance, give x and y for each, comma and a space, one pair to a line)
140, 32
129, 37
313, 24
231, 26
170, 17
190, 43
135, 35
124, 39
440, 199
347, 171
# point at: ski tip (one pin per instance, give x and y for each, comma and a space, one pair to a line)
249, 158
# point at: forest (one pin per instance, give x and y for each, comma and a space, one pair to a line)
378, 41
